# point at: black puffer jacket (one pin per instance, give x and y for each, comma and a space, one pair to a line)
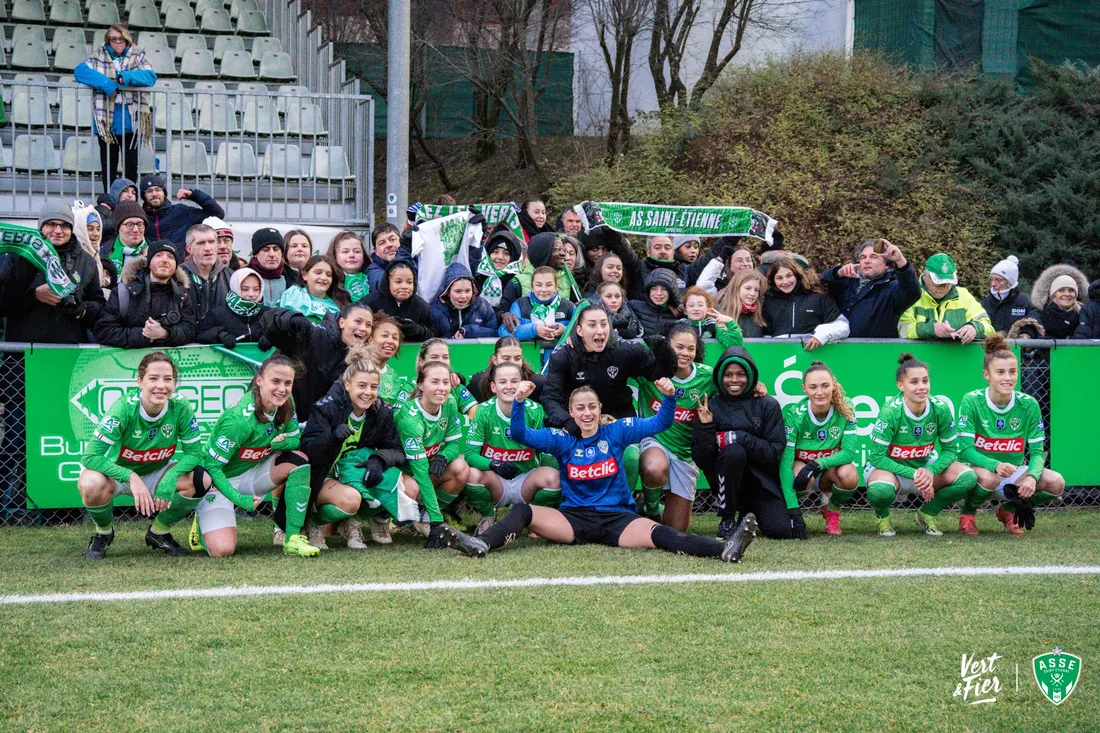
1089, 325
797, 312
1004, 313
756, 423
31, 320
414, 315
605, 371
137, 299
657, 319
222, 326
319, 347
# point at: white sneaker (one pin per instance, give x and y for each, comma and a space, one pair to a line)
352, 531
380, 531
316, 536
278, 538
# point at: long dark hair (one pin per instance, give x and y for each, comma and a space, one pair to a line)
595, 278
285, 413
679, 328
336, 289
481, 386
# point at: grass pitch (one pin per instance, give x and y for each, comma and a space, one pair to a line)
854, 654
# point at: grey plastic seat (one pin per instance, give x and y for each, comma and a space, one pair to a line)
76, 108
286, 95
203, 5
172, 111
28, 10
34, 79
245, 91
235, 160
187, 41
152, 39
67, 12
282, 162
61, 36
217, 115
262, 45
147, 160
197, 62
80, 154
144, 15
252, 22
329, 163
237, 65
69, 56
276, 67
103, 13
237, 6
30, 106
23, 33
30, 54
34, 153
189, 159
304, 118
227, 43
207, 90
180, 18
162, 61
261, 116
216, 20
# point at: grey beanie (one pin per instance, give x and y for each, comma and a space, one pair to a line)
55, 210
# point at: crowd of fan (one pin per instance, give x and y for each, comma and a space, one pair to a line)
153, 273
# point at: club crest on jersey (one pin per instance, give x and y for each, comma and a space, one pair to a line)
834, 432
166, 431
680, 392
821, 434
917, 431
224, 443
602, 445
1000, 423
1014, 423
930, 428
613, 371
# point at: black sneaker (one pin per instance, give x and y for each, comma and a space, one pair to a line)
725, 529
464, 543
741, 539
97, 548
164, 542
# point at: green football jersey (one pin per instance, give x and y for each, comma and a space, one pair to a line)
688, 390
902, 442
1000, 435
394, 389
425, 435
135, 442
239, 441
814, 440
463, 398
490, 437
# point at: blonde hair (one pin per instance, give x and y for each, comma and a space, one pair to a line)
122, 31
361, 360
840, 402
729, 300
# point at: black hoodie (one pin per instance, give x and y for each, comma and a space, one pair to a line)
319, 348
756, 423
414, 315
509, 282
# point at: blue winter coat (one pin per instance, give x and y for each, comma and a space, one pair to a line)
877, 310
477, 320
171, 221
120, 120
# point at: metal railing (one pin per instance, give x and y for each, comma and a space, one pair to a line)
303, 157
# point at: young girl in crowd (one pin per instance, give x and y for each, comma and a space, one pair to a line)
299, 248
542, 313
507, 350
741, 302
458, 311
796, 304
237, 320
320, 290
396, 297
623, 320
347, 251
659, 308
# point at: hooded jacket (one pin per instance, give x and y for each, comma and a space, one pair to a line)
476, 320
31, 320
755, 423
539, 251
801, 312
376, 267
527, 330
1058, 323
657, 319
1088, 327
958, 308
137, 299
607, 372
221, 322
625, 322
106, 211
1004, 313
171, 221
512, 289
874, 311
319, 347
414, 315
209, 293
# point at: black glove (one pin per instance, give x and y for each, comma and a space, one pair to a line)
301, 325
1024, 515
438, 466
342, 432
476, 218
263, 344
375, 468
808, 473
226, 339
798, 526
504, 470
572, 428
436, 540
72, 307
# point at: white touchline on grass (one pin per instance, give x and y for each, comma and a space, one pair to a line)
242, 591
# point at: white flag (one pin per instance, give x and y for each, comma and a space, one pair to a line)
439, 242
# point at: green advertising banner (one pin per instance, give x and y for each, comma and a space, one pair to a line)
1074, 407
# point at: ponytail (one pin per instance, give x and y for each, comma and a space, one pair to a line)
839, 401
996, 347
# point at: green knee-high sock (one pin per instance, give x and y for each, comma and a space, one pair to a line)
975, 499
631, 457
839, 498
881, 494
547, 497
103, 517
951, 494
481, 499
652, 499
180, 508
296, 496
1042, 498
328, 513
445, 500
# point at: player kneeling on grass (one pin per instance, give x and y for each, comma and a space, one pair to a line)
821, 445
430, 429
252, 452
913, 448
131, 453
998, 426
597, 506
510, 471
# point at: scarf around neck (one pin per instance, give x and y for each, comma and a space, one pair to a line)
120, 253
544, 312
265, 273
749, 308
493, 287
240, 306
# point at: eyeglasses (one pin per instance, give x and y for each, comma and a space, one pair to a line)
132, 225
115, 39
56, 225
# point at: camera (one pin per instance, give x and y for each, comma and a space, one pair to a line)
169, 319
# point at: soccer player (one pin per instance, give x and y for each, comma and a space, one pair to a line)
510, 471
666, 468
821, 445
436, 349
913, 448
998, 428
131, 453
387, 338
253, 451
597, 506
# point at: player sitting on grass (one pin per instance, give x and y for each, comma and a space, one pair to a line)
386, 338
436, 349
597, 506
821, 445
509, 470
998, 427
913, 448
131, 454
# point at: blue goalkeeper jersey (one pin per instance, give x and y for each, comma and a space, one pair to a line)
592, 474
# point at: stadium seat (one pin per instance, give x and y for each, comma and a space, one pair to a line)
197, 62
189, 159
152, 39
180, 18
66, 12
24, 33
35, 79
61, 36
304, 118
187, 41
227, 43
172, 110
76, 108
262, 45
286, 92
203, 5
147, 160
30, 106
103, 13
282, 162
245, 89
162, 61
252, 22
217, 115
216, 21
261, 116
28, 11
329, 163
34, 153
235, 160
237, 65
144, 15
80, 154
69, 56
30, 54
206, 90
276, 67
237, 6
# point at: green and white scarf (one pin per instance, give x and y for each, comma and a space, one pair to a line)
544, 312
493, 213
654, 219
121, 254
105, 62
30, 245
493, 287
357, 285
240, 306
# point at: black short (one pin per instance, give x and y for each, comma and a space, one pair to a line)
591, 527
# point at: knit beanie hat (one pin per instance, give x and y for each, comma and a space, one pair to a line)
150, 181
1009, 269
1063, 281
129, 210
263, 237
161, 245
221, 229
683, 239
55, 210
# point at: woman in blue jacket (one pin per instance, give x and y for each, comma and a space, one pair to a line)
123, 120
